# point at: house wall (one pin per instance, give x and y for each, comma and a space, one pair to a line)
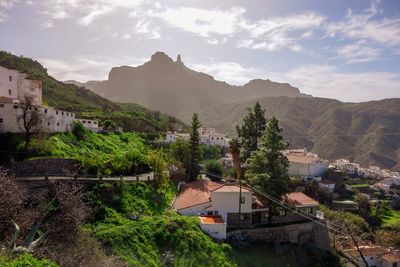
385, 263
6, 84
52, 120
195, 210
216, 230
29, 88
307, 169
372, 260
92, 125
228, 202
329, 187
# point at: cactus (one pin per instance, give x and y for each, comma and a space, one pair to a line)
29, 243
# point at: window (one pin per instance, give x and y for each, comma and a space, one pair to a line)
45, 110
62, 113
9, 92
282, 213
95, 122
89, 122
16, 106
216, 212
67, 114
30, 108
83, 121
56, 112
48, 123
58, 124
242, 200
309, 210
1, 120
10, 78
1, 105
217, 138
209, 212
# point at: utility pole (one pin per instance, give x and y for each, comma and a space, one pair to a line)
240, 197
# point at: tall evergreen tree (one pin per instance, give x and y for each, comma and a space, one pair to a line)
251, 131
234, 148
267, 168
194, 145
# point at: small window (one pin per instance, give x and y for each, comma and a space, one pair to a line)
9, 92
309, 210
67, 114
1, 105
30, 108
45, 110
62, 113
56, 112
282, 213
95, 122
48, 123
10, 78
89, 122
58, 124
241, 217
209, 212
83, 121
217, 138
16, 106
1, 120
242, 200
216, 212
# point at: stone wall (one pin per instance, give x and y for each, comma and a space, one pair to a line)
300, 233
42, 167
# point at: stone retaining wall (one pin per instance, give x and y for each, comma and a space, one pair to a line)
42, 167
300, 233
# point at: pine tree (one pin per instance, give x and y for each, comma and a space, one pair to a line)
194, 145
251, 131
267, 168
234, 148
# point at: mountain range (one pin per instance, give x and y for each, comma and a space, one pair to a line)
367, 133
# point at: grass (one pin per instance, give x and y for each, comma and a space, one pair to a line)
389, 216
359, 185
25, 260
132, 220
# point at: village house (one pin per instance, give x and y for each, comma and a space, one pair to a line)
346, 166
327, 184
92, 125
15, 89
305, 164
208, 136
220, 201
374, 255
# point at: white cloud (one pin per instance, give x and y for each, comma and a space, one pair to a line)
84, 11
6, 5
86, 67
203, 22
318, 80
359, 52
328, 81
365, 26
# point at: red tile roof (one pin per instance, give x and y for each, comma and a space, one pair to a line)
231, 188
300, 158
195, 193
299, 198
211, 219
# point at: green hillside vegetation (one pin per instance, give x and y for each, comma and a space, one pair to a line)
131, 219
107, 153
85, 103
25, 260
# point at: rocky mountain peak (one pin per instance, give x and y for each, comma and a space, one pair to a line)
161, 57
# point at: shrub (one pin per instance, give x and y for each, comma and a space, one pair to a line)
214, 167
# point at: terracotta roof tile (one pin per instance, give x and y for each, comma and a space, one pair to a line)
211, 219
299, 198
300, 158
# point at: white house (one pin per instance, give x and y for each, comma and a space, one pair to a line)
92, 125
215, 226
303, 163
327, 184
222, 200
15, 87
208, 136
375, 256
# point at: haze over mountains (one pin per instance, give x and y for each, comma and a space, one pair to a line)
364, 132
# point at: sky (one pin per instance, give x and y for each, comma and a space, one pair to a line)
343, 49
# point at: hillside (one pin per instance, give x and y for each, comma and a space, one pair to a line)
70, 97
173, 88
364, 132
358, 131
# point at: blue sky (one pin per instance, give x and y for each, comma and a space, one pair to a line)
348, 50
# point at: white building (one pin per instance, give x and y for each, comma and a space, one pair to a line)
327, 184
214, 226
15, 87
346, 166
92, 125
303, 163
208, 136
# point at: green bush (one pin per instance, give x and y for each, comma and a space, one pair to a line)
25, 260
215, 167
